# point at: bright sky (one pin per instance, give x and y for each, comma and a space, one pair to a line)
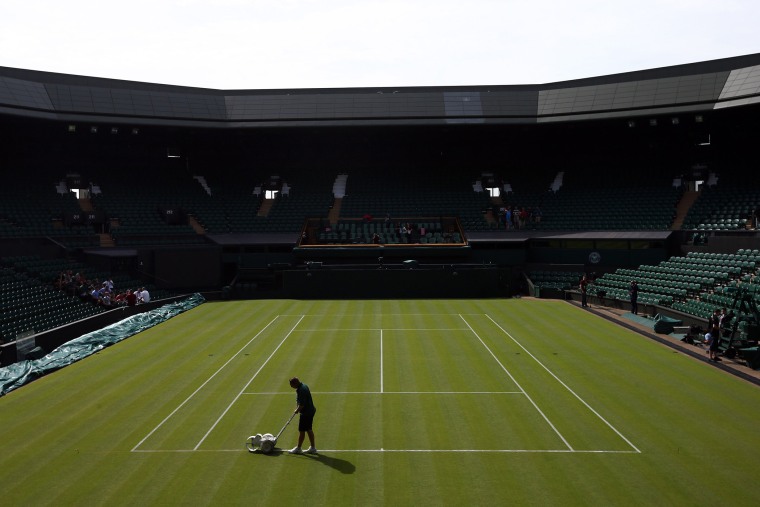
257, 44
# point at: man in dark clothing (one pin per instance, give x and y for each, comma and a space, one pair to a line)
305, 407
634, 297
584, 288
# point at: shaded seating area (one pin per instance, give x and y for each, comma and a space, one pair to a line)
627, 208
30, 303
723, 207
32, 207
27, 305
399, 192
560, 280
423, 231
695, 284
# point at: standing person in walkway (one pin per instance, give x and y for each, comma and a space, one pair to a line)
634, 291
713, 324
584, 289
305, 407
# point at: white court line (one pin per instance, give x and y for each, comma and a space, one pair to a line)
565, 385
381, 360
380, 451
246, 386
386, 392
381, 329
519, 386
352, 315
202, 385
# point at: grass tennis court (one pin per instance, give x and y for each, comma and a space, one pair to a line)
443, 402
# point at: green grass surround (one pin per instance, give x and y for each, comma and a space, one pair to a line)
474, 402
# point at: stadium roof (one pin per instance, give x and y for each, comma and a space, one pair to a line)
689, 88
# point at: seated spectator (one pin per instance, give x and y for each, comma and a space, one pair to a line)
131, 298
94, 294
119, 299
143, 296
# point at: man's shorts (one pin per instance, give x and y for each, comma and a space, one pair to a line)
305, 421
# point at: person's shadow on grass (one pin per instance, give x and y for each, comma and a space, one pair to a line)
341, 465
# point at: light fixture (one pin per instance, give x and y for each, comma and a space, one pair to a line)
675, 120
135, 131
114, 130
93, 130
72, 128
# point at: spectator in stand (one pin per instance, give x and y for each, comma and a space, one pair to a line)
94, 294
508, 218
131, 298
524, 215
537, 215
119, 299
143, 296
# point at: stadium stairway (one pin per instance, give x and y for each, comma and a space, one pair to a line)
266, 205
334, 215
682, 209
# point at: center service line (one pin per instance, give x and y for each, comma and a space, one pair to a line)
381, 360
246, 386
518, 385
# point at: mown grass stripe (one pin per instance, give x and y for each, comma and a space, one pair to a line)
565, 385
201, 386
553, 427
221, 416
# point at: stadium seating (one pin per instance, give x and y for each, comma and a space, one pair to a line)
722, 207
695, 284
30, 303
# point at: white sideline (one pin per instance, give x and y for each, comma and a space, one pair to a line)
202, 385
565, 385
519, 386
246, 385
